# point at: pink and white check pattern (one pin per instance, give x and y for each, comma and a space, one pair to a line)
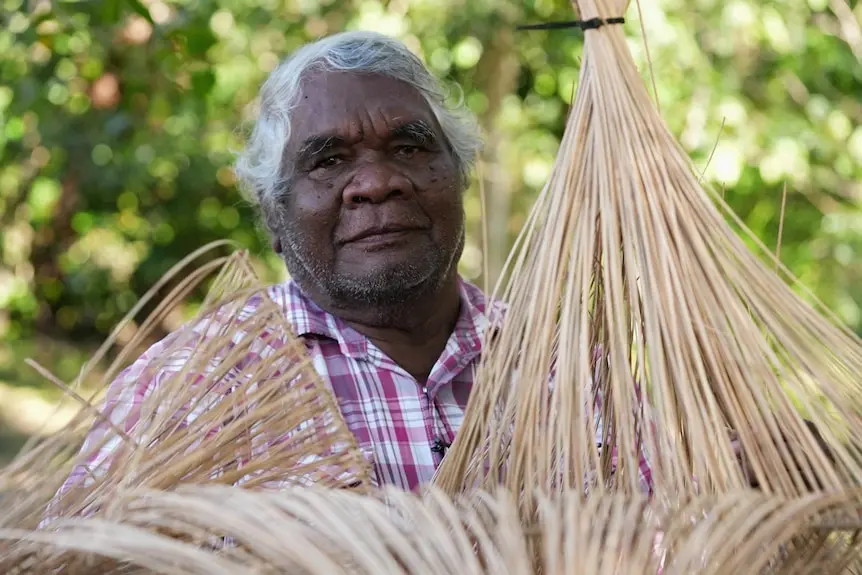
398, 421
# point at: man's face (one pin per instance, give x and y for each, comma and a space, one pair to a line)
373, 213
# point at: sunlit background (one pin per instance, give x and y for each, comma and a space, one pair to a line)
118, 119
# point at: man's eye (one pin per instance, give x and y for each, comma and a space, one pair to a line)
328, 162
407, 151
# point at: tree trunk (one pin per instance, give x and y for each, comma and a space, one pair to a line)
497, 77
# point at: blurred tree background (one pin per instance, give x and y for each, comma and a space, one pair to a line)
119, 118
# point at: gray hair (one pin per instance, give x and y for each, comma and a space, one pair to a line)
261, 169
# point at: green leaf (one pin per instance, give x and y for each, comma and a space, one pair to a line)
111, 11
43, 197
202, 82
199, 39
141, 10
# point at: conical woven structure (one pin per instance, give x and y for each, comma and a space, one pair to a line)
246, 408
665, 336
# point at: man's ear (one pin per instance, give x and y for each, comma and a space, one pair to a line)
273, 222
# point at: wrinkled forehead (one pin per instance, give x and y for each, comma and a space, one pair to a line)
356, 107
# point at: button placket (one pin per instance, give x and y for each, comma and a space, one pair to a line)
438, 444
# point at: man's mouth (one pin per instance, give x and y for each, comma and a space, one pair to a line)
384, 235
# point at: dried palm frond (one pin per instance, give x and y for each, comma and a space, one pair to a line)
320, 531
665, 335
242, 405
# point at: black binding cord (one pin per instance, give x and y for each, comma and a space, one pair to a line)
590, 24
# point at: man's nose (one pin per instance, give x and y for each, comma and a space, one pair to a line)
375, 182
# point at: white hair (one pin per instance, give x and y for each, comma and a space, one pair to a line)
261, 168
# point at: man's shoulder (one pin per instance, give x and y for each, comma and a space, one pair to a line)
243, 320
258, 310
289, 301
286, 292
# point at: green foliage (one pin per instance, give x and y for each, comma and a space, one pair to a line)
119, 119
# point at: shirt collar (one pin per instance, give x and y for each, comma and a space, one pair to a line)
309, 320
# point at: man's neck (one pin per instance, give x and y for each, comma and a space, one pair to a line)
412, 335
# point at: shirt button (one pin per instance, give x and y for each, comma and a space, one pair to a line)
425, 390
439, 446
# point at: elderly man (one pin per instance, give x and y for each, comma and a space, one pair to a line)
359, 167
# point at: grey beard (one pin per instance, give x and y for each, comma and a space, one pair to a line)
390, 288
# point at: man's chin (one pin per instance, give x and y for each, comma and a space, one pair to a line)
387, 285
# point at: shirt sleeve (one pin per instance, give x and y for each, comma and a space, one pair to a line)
120, 411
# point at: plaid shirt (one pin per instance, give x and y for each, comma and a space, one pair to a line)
401, 425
